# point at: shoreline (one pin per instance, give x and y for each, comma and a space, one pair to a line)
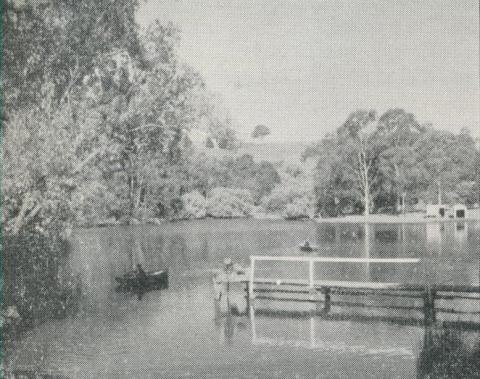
351, 219
161, 221
391, 219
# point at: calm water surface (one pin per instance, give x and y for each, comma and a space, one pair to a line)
182, 332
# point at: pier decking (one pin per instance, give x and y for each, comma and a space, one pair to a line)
429, 298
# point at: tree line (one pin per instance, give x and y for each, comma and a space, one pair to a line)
388, 164
95, 126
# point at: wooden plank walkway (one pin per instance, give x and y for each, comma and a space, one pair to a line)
319, 292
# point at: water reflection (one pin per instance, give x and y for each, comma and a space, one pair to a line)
113, 334
434, 231
229, 314
445, 249
461, 232
314, 332
429, 352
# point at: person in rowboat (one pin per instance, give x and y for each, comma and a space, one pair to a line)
141, 281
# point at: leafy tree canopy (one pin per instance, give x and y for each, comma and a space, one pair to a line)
260, 131
391, 162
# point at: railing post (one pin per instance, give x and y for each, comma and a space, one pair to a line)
429, 305
312, 331
252, 274
310, 272
311, 284
326, 304
252, 324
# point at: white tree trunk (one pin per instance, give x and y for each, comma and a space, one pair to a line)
439, 193
362, 172
367, 196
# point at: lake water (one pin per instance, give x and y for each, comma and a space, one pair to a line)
182, 332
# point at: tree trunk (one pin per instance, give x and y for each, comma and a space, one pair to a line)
131, 194
439, 193
138, 194
367, 197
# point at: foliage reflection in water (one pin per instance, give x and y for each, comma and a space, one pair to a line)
115, 335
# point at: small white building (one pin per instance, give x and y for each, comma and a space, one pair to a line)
436, 210
444, 211
458, 211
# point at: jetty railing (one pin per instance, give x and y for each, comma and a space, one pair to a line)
311, 286
311, 282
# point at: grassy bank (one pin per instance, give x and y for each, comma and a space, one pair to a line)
391, 219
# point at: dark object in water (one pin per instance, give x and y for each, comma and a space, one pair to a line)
154, 280
307, 247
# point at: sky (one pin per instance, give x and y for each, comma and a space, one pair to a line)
301, 66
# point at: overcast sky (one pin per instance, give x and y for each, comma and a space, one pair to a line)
300, 67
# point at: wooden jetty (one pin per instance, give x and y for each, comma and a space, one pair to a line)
324, 294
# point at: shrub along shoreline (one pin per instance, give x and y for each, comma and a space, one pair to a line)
220, 203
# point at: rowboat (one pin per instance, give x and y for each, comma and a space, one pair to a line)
308, 248
154, 280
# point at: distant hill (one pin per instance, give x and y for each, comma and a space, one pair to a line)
261, 150
290, 152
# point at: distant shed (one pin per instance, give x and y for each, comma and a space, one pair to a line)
459, 211
436, 210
